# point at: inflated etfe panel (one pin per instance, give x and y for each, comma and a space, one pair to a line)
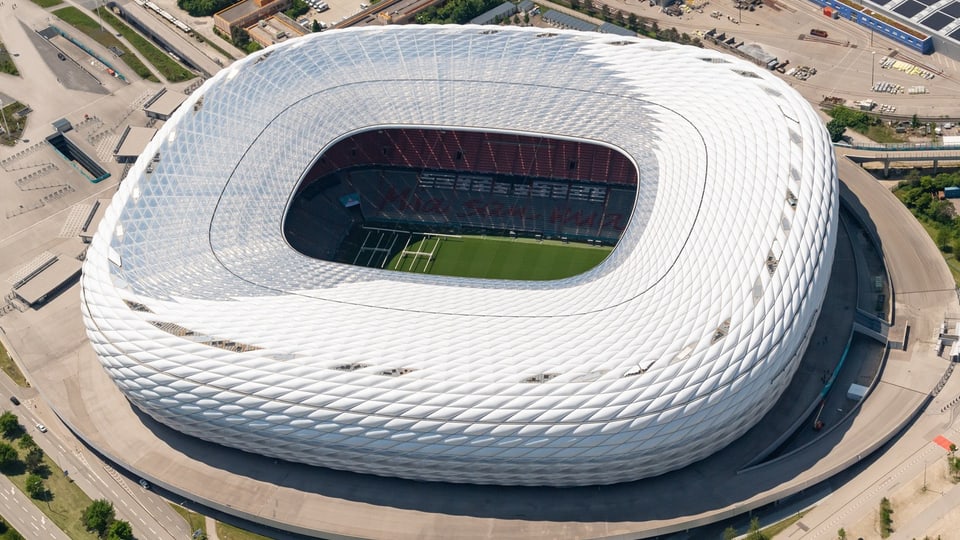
666, 352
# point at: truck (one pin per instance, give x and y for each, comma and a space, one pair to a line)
818, 32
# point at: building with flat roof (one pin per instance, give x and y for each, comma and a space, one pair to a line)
163, 103
906, 31
275, 29
132, 143
247, 12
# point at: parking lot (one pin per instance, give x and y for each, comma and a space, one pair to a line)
848, 62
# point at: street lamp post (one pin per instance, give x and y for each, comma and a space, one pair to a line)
3, 114
97, 8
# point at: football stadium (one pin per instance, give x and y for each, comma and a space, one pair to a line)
470, 254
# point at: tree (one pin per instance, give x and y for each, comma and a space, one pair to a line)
239, 37
836, 128
943, 238
26, 441
886, 521
297, 8
9, 424
754, 532
915, 122
98, 516
35, 487
8, 455
729, 533
34, 460
120, 530
202, 8
315, 27
7, 533
526, 17
841, 534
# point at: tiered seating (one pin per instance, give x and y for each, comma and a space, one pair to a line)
494, 153
478, 180
317, 222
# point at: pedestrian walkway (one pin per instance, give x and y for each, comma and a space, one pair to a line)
211, 528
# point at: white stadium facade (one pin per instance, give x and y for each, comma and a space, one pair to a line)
671, 348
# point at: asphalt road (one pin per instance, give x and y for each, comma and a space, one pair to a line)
149, 514
25, 517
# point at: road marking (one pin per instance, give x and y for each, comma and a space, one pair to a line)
943, 441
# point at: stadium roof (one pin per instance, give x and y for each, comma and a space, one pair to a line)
670, 349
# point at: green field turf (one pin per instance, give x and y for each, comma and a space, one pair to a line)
504, 258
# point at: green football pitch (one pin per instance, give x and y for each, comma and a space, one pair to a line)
499, 258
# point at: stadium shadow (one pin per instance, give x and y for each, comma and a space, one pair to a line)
708, 485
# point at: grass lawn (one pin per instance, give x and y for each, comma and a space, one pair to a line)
167, 66
9, 533
11, 369
47, 3
194, 520
883, 134
504, 258
6, 61
79, 20
67, 501
229, 532
777, 528
213, 44
952, 263
13, 124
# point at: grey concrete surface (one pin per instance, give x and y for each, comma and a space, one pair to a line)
70, 73
924, 292
843, 71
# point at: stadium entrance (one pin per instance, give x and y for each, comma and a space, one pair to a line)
464, 203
